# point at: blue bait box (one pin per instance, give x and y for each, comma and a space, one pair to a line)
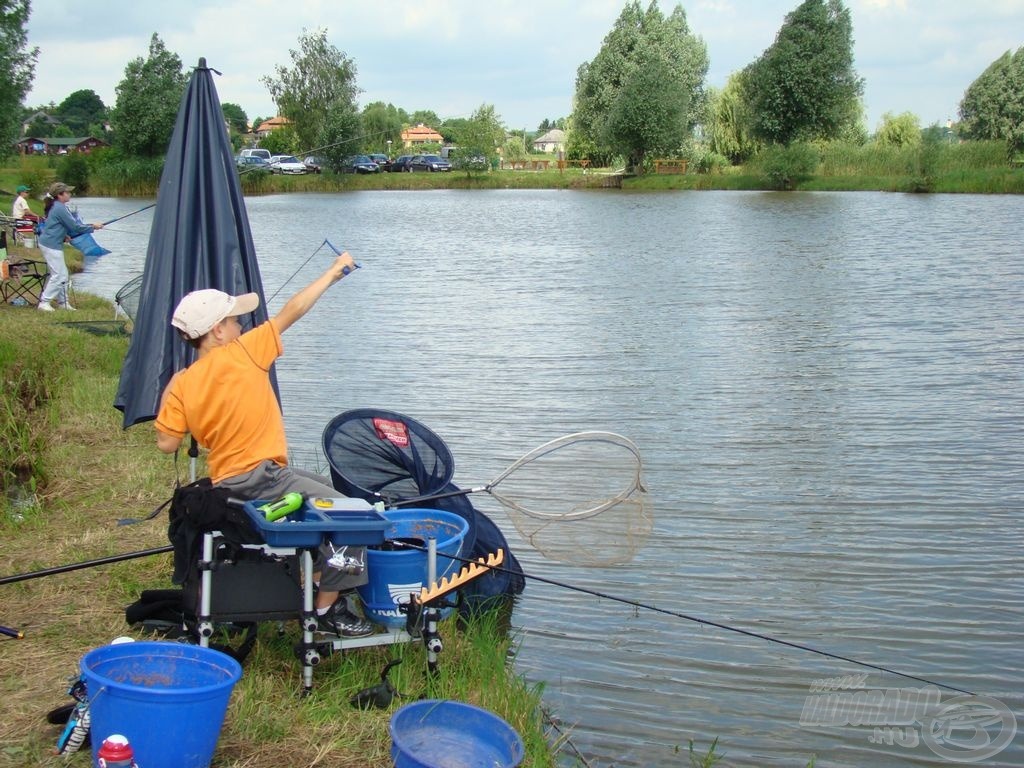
341, 521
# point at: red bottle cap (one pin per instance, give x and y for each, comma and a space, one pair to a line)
115, 748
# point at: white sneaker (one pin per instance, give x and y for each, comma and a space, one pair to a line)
68, 306
45, 306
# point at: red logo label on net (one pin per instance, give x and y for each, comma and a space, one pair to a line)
393, 431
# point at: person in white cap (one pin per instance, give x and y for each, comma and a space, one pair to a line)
226, 401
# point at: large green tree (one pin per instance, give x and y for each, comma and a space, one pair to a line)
82, 112
427, 117
804, 86
382, 124
316, 92
148, 98
17, 67
235, 117
479, 139
993, 105
643, 92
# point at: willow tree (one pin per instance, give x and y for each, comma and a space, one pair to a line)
318, 95
642, 93
804, 86
728, 125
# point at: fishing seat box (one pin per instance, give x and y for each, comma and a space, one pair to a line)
253, 582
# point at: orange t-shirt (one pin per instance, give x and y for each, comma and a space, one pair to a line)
226, 401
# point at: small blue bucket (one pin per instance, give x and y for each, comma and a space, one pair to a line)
393, 574
167, 699
450, 734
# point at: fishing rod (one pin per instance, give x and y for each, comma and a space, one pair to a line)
125, 216
697, 619
85, 564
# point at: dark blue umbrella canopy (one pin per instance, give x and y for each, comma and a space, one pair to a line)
200, 239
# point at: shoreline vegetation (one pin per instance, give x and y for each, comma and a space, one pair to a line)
969, 167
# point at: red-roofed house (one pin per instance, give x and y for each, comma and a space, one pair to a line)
420, 134
271, 125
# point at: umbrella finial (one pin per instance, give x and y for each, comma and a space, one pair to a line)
202, 65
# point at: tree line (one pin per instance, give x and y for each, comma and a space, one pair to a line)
642, 96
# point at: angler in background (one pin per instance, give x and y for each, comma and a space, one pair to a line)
60, 224
20, 209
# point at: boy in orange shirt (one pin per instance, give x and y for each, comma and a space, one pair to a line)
226, 401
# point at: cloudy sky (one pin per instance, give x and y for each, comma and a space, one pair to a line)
451, 56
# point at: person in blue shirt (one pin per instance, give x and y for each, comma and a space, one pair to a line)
59, 226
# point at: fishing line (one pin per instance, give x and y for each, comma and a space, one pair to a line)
303, 264
698, 620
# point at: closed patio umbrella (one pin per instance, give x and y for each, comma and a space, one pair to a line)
200, 239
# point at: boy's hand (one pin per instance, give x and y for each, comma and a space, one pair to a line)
343, 265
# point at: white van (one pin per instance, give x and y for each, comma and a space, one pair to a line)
264, 153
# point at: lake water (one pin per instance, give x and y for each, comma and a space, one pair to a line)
828, 393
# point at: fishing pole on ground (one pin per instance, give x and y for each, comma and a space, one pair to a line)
84, 564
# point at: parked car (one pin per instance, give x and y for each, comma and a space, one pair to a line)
264, 153
251, 163
399, 164
429, 163
359, 164
287, 164
380, 160
313, 163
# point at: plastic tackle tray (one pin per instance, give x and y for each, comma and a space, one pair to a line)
339, 520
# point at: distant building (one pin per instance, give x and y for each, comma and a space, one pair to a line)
552, 141
41, 118
420, 134
272, 125
32, 145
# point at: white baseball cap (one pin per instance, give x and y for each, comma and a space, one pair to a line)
199, 311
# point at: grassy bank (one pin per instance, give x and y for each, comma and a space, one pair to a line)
969, 167
69, 472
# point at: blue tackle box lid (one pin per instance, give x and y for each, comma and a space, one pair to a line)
340, 520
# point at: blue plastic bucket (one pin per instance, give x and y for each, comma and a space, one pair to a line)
168, 699
393, 574
451, 734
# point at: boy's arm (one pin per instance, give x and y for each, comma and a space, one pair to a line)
166, 442
303, 301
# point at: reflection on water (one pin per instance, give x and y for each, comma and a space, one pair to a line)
826, 389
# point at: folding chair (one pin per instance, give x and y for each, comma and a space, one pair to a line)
22, 281
26, 282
